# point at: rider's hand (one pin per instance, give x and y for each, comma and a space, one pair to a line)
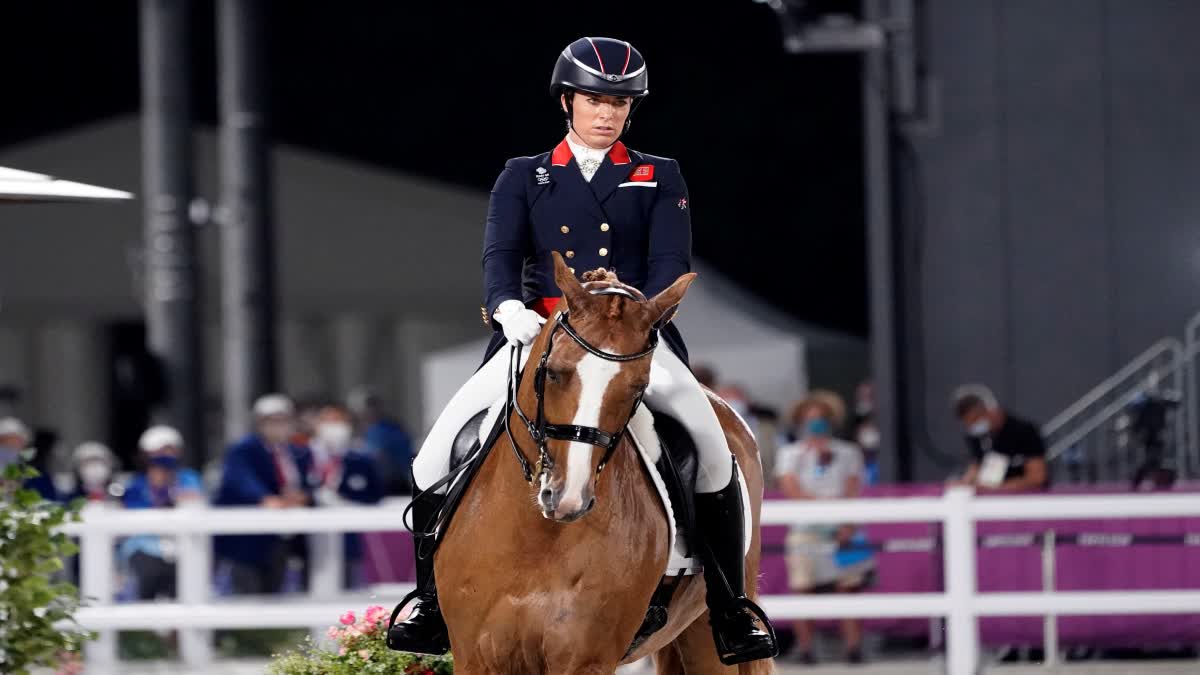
519, 324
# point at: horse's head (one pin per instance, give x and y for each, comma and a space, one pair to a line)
594, 365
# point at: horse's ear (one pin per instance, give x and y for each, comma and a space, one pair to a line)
573, 291
662, 306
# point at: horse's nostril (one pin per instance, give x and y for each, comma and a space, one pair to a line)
591, 503
546, 497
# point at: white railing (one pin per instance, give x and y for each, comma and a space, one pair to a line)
958, 510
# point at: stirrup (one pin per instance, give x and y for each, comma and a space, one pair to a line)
436, 643
767, 649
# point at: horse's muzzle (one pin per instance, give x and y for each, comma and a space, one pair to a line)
555, 508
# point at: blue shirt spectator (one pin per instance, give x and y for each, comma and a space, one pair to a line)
386, 439
163, 484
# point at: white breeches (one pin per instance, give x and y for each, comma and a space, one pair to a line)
673, 389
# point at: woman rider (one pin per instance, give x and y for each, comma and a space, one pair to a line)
601, 205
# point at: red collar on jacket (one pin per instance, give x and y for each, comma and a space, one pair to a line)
561, 156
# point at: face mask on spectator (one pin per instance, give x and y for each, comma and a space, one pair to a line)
979, 429
869, 438
8, 456
335, 435
94, 474
168, 462
818, 427
276, 431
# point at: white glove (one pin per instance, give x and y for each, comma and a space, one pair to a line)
520, 324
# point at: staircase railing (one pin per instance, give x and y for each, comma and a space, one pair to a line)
1085, 440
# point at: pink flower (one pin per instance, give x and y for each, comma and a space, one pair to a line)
367, 628
347, 619
333, 633
342, 651
375, 614
365, 654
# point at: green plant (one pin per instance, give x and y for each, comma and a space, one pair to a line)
358, 648
37, 626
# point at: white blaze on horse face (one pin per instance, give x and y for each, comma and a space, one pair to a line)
594, 375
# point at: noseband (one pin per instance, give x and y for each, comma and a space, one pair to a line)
539, 429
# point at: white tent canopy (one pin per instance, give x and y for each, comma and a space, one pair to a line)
26, 186
745, 341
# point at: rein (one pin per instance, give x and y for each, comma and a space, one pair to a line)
539, 429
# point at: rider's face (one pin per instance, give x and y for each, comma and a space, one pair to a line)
598, 120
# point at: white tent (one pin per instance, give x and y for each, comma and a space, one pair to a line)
26, 186
745, 341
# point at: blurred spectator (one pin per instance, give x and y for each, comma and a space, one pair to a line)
824, 558
866, 431
94, 464
15, 440
306, 420
346, 473
263, 469
761, 419
1007, 452
385, 439
163, 484
1146, 420
705, 375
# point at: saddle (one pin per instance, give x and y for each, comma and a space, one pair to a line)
676, 467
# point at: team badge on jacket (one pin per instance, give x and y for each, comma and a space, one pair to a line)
682, 203
643, 173
543, 178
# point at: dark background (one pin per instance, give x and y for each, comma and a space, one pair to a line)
769, 143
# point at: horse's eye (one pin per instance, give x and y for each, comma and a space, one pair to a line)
553, 375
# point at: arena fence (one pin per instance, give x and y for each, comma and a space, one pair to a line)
959, 604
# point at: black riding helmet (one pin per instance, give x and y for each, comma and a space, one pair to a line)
600, 66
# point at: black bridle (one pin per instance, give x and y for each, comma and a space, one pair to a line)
539, 429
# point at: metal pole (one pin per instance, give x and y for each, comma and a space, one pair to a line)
247, 251
171, 288
880, 265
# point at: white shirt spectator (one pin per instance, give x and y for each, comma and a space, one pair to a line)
821, 480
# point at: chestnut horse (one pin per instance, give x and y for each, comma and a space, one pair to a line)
523, 591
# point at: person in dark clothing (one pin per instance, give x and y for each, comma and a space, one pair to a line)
1007, 452
346, 474
263, 469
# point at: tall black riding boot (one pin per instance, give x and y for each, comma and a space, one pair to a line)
740, 628
424, 631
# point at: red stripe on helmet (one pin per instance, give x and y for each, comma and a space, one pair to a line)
628, 53
593, 44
